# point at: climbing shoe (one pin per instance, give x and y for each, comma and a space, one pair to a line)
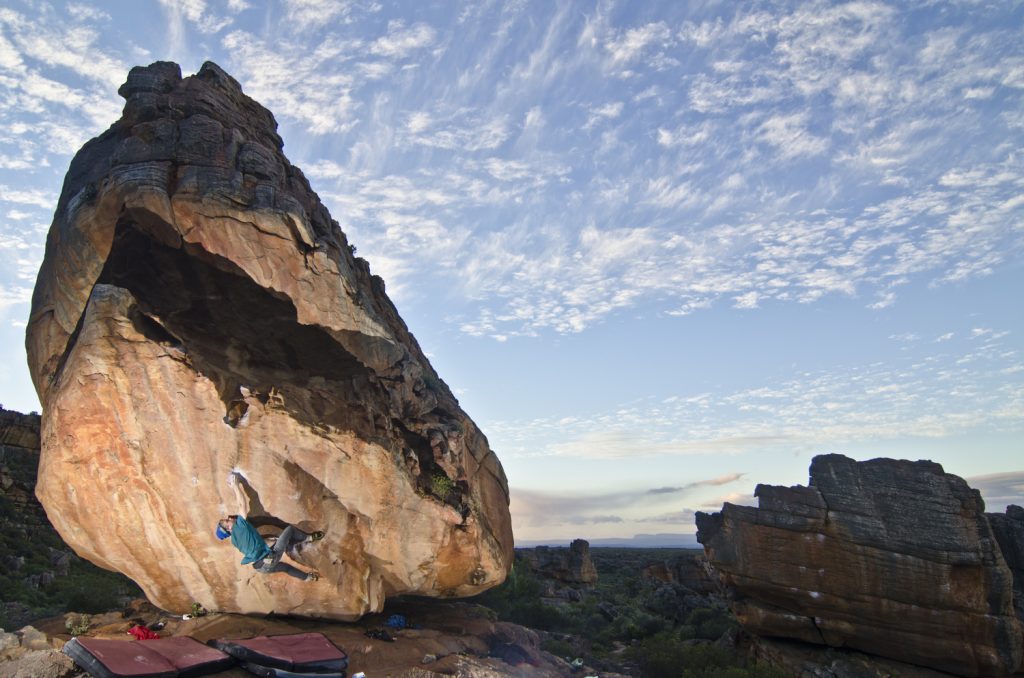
312, 576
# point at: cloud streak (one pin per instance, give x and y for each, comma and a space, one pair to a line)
536, 508
937, 390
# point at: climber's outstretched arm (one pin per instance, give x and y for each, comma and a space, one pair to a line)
235, 480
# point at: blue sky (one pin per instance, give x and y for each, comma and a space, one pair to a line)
661, 251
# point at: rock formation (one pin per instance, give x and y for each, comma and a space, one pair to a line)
571, 565
690, 570
1009, 532
197, 312
19, 457
19, 430
893, 558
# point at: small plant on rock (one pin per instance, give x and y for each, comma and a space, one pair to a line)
441, 486
198, 610
77, 627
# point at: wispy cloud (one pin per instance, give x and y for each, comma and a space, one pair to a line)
10, 296
549, 509
313, 77
755, 185
33, 197
790, 136
401, 41
933, 391
1000, 489
631, 43
306, 14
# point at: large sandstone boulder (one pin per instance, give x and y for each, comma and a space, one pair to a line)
198, 312
893, 558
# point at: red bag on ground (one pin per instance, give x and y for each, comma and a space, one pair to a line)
142, 633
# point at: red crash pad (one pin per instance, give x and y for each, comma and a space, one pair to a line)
180, 657
300, 652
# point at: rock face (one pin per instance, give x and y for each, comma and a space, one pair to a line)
19, 456
197, 312
19, 430
571, 565
691, 571
1009, 532
893, 558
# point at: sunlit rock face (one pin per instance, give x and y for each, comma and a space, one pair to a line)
894, 558
199, 311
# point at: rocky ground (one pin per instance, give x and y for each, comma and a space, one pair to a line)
443, 639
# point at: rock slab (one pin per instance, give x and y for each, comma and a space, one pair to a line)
198, 312
893, 558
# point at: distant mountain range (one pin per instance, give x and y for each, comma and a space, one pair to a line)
644, 541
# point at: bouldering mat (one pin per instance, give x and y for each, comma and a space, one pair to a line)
180, 657
297, 654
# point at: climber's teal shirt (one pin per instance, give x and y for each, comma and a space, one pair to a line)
247, 540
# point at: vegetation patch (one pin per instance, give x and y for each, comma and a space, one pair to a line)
442, 486
625, 618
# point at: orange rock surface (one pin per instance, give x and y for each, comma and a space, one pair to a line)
198, 312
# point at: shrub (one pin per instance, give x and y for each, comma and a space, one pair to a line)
559, 647
660, 656
708, 623
666, 655
441, 486
76, 626
538, 615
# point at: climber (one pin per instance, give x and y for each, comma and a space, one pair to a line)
246, 539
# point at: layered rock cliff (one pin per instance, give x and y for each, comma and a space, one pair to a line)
1008, 529
19, 452
894, 558
19, 430
198, 311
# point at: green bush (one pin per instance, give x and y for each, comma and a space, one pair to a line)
76, 626
660, 656
666, 655
708, 623
441, 486
538, 615
85, 589
559, 648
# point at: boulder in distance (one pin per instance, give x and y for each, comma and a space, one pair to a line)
893, 558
